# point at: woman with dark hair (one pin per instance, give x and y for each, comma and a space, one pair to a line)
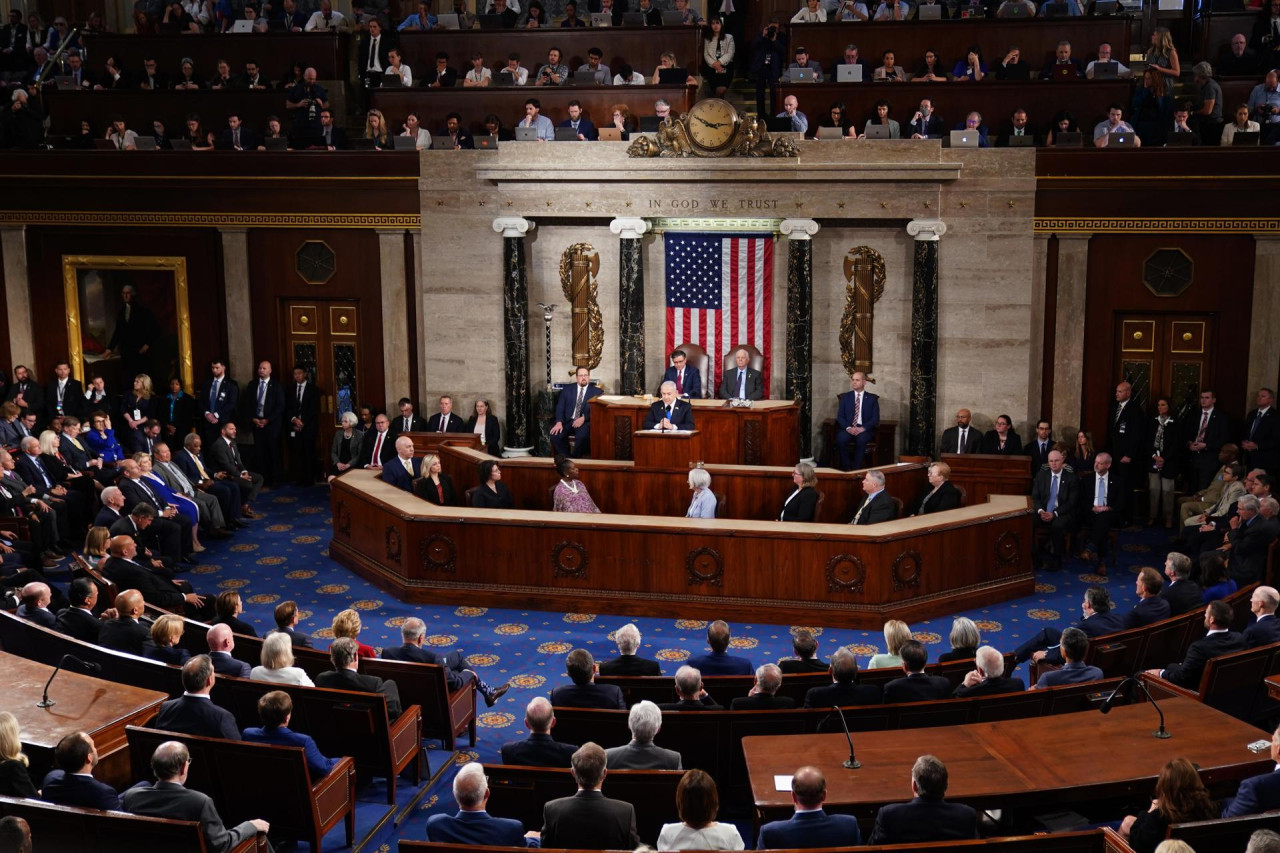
194, 133
535, 17
493, 127
434, 486
570, 494
485, 424
931, 68
139, 406
294, 77
1180, 797
177, 413
1213, 577
837, 117
492, 493
717, 57
697, 804
881, 117
1063, 122
1162, 464
229, 607
1082, 456
971, 68
1002, 440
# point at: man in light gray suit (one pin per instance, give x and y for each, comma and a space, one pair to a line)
212, 522
641, 754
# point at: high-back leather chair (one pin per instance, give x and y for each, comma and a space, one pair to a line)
696, 357
756, 362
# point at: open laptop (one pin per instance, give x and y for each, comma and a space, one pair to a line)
145, 143
1068, 139
504, 78
392, 81
448, 21
633, 19
610, 134
358, 144
1106, 70
672, 18
849, 73
488, 142
490, 22
242, 26
1027, 141
1064, 72
526, 134
1180, 138
672, 76
1016, 11
1120, 139
104, 144
281, 143
65, 83
778, 124
404, 143
878, 131
1246, 137
566, 134
1107, 7
830, 133
601, 19
931, 12
964, 139
649, 124
185, 144
1056, 10
800, 75
584, 78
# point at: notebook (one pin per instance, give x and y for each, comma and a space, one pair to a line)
280, 143
486, 142
490, 22
1022, 141
145, 143
633, 19
185, 144
1246, 137
672, 18
672, 76
929, 12
649, 124
242, 26
1180, 138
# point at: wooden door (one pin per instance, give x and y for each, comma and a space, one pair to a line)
1166, 355
323, 337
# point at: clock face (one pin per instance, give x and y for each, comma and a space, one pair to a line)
712, 124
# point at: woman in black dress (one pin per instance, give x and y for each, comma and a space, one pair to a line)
802, 504
14, 779
229, 607
492, 493
1002, 440
434, 486
944, 495
177, 413
1162, 465
139, 406
485, 424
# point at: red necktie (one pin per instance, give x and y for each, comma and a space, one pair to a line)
680, 382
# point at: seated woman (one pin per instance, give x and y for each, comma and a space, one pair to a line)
1213, 576
274, 131
10, 432
622, 120
434, 486
802, 504
944, 494
487, 425
571, 494
277, 662
1242, 124
493, 127
346, 446
14, 779
347, 624
181, 503
896, 633
1063, 122
229, 607
697, 803
964, 638
882, 118
888, 71
95, 546
971, 68
666, 61
703, 504
931, 69
163, 645
101, 439
492, 493
375, 128
837, 117
1180, 797
1002, 440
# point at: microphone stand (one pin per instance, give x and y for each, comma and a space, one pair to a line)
850, 763
45, 701
1162, 733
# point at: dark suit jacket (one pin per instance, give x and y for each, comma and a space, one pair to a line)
1249, 543
830, 695
393, 473
123, 635
225, 664
72, 789
171, 800
634, 756
538, 750
1071, 673
589, 820
1263, 632
1126, 436
350, 680
1187, 673
1256, 795
417, 424
870, 414
588, 696
1012, 444
426, 490
30, 474
221, 456
707, 704
417, 654
1146, 611
73, 401
225, 406
32, 395
1267, 437
308, 410
273, 403
761, 702
681, 415
155, 589
1073, 63
1068, 491
630, 665
298, 638
729, 384
721, 663
317, 763
492, 433
78, 623
1182, 596
973, 440
39, 615
917, 688
248, 142
795, 666
990, 687
388, 41
367, 443
923, 820
1102, 623
947, 497
1215, 433
879, 509
803, 507
194, 715
692, 381
476, 828
1038, 459
568, 399
811, 829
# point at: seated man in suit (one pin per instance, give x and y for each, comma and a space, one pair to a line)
987, 677
1218, 640
473, 825
927, 817
856, 420
692, 696
1075, 643
686, 377
718, 661
588, 819
628, 662
1103, 497
962, 438
286, 616
1249, 538
539, 749
190, 461
125, 632
169, 797
35, 605
172, 528
573, 416
810, 826
177, 596
1054, 498
1260, 793
1182, 593
763, 696
584, 692
72, 784
1265, 628
413, 631
193, 713
225, 464
404, 468
805, 645
742, 382
644, 721
408, 421
275, 709
1151, 607
877, 506
915, 686
77, 619
221, 643
377, 447
669, 413
445, 420
344, 653
139, 524
1098, 617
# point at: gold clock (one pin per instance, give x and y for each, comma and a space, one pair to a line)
712, 125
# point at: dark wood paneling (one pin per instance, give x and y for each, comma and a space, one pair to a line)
1216, 30
357, 277
140, 109
6, 353
275, 53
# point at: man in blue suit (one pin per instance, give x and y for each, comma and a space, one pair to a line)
72, 784
573, 416
718, 662
1266, 627
1074, 646
856, 422
669, 413
404, 469
472, 824
275, 709
1258, 794
1151, 607
687, 378
927, 817
581, 124
810, 826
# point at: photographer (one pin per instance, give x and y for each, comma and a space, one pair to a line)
306, 100
768, 53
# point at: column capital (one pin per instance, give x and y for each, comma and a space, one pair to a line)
928, 230
513, 226
629, 227
798, 229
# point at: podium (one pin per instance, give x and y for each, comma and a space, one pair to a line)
679, 450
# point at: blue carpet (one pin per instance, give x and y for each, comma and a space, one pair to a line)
285, 555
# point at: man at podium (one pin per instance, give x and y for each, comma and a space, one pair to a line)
670, 413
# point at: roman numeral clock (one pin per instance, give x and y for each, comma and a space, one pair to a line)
712, 128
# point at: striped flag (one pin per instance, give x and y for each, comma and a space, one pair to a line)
719, 295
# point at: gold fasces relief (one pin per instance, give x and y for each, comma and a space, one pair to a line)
864, 272
579, 267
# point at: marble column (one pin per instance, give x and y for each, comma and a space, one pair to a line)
395, 319
924, 336
235, 279
515, 324
17, 294
1264, 336
799, 386
1068, 332
630, 231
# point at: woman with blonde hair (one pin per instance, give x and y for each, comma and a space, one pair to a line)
14, 779
95, 545
277, 663
1162, 56
896, 633
166, 632
375, 128
801, 504
697, 804
347, 624
434, 486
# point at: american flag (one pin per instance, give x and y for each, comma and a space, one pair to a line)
719, 294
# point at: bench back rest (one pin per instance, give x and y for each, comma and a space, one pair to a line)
1225, 835
421, 684
67, 828
1233, 683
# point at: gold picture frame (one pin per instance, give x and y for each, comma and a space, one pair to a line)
76, 268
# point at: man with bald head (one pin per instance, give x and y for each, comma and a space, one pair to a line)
1126, 431
857, 417
963, 437
472, 825
221, 642
810, 826
404, 468
1266, 627
125, 633
719, 662
35, 605
176, 596
539, 749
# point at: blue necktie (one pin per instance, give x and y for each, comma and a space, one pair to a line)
1053, 494
213, 395
262, 396
742, 384
1100, 499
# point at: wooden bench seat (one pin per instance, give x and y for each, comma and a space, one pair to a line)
446, 714
1224, 835
257, 780
1233, 683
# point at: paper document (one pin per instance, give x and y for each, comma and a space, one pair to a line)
782, 783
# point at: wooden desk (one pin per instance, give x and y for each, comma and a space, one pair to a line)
767, 433
83, 703
140, 109
1014, 763
430, 442
275, 53
667, 450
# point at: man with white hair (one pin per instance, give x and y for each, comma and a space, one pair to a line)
669, 413
692, 696
456, 675
628, 662
472, 824
539, 749
1247, 540
1266, 627
763, 695
645, 720
877, 506
987, 677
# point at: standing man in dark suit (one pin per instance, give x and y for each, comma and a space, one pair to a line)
25, 392
1218, 640
718, 661
473, 825
588, 819
962, 438
374, 57
742, 382
218, 400
1102, 506
225, 464
915, 686
193, 713
72, 784
927, 817
408, 421
1261, 441
1265, 628
670, 413
1208, 431
844, 688
302, 412
446, 420
856, 420
1038, 448
1182, 593
987, 677
1054, 497
64, 395
628, 662
539, 749
264, 400
584, 692
1126, 435
573, 416
222, 643
810, 826
343, 652
877, 506
687, 378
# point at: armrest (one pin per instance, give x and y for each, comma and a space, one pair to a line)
334, 795
256, 844
1160, 685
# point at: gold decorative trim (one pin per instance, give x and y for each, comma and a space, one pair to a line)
662, 224
147, 219
1166, 225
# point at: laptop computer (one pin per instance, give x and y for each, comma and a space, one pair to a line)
584, 78
486, 142
849, 73
1120, 139
1064, 72
1107, 7
242, 26
672, 76
633, 19
504, 78
1068, 139
878, 131
1016, 11
526, 134
800, 75
104, 144
404, 143
601, 19
1106, 70
830, 133
359, 144
610, 134
778, 124
672, 18
1022, 141
280, 143
649, 124
185, 144
1056, 10
931, 12
448, 21
392, 81
964, 139
566, 134
64, 83
490, 22
1246, 137
1180, 138
145, 143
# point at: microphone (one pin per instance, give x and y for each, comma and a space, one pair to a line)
1162, 733
1111, 699
45, 701
851, 763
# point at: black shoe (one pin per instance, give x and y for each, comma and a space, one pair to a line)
493, 696
187, 561
219, 533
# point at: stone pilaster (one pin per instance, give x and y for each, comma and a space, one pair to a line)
395, 319
1068, 332
17, 294
235, 279
924, 336
1264, 335
799, 384
515, 326
631, 342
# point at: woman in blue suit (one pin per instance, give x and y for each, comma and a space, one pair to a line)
703, 504
183, 504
